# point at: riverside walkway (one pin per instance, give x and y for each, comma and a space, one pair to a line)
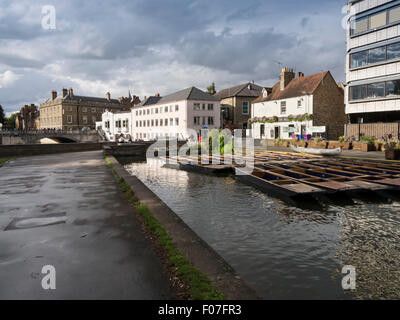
67, 211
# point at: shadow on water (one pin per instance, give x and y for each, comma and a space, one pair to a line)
287, 250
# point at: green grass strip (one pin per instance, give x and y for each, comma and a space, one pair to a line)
200, 285
3, 161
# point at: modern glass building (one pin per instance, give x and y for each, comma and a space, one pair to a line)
373, 64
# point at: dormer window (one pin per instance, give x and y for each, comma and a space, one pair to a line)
265, 93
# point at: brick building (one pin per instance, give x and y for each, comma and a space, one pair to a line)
75, 112
236, 104
28, 118
302, 105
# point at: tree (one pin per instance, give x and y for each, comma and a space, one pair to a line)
10, 121
211, 89
2, 115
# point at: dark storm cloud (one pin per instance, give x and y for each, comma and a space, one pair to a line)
156, 44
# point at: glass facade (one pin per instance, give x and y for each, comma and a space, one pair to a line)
376, 21
376, 55
388, 89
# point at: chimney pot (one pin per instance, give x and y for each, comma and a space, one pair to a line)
65, 92
53, 95
108, 96
301, 74
157, 95
71, 92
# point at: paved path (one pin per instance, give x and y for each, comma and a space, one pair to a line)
94, 240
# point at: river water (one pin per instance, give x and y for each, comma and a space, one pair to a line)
283, 251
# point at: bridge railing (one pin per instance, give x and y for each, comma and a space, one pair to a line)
48, 132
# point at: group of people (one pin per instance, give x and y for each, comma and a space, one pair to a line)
122, 139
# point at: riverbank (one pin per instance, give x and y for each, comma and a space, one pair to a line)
3, 161
189, 245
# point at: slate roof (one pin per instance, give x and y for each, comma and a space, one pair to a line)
191, 93
296, 88
240, 91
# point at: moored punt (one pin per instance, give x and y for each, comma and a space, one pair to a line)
277, 185
318, 179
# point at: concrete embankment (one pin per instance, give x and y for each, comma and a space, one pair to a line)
223, 277
20, 150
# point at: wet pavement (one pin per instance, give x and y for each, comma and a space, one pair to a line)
67, 211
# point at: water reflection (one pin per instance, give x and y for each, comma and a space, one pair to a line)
282, 250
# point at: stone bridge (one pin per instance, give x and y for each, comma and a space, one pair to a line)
58, 136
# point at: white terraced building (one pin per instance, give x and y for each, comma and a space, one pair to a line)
172, 115
372, 94
163, 117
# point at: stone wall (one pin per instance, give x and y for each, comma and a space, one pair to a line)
38, 149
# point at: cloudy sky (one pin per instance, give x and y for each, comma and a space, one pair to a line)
151, 46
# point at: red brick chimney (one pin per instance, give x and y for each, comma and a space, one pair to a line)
157, 95
53, 95
301, 74
71, 92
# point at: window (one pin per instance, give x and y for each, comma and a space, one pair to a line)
176, 107
359, 59
283, 107
144, 123
140, 123
394, 15
69, 109
140, 112
93, 110
161, 122
171, 122
152, 123
376, 90
204, 106
160, 109
393, 88
358, 92
245, 107
210, 121
377, 55
69, 119
170, 108
93, 119
156, 110
157, 122
299, 103
137, 113
166, 122
84, 119
148, 123
107, 124
84, 109
360, 25
377, 20
177, 121
137, 124
210, 106
148, 111
196, 120
196, 107
393, 51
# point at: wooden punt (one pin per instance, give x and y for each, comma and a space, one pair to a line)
275, 184
329, 182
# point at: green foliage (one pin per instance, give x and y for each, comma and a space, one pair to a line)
10, 121
200, 286
3, 161
211, 89
2, 115
367, 140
